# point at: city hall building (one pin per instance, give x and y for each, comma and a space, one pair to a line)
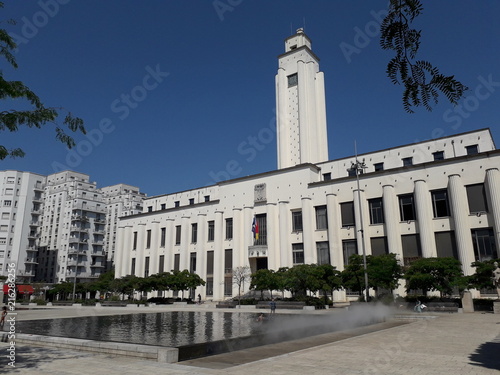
437, 198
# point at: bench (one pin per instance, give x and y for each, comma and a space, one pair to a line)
450, 307
282, 305
114, 303
226, 305
62, 303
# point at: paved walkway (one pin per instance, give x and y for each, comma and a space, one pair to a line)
447, 344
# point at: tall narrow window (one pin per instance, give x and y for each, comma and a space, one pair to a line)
297, 221
209, 287
298, 253
211, 230
379, 245
407, 207
134, 243
194, 233
347, 214
229, 229
440, 205
163, 235
376, 211
177, 234
446, 244
321, 218
192, 262
132, 267
146, 266
148, 239
161, 264
177, 262
323, 252
484, 244
262, 225
411, 248
349, 247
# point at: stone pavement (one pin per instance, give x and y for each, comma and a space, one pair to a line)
446, 344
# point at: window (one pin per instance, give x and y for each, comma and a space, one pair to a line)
476, 196
323, 252
349, 247
471, 150
296, 221
262, 223
228, 261
210, 262
150, 208
376, 211
148, 239
132, 267
134, 246
379, 246
446, 244
146, 266
293, 80
192, 262
484, 244
191, 201
407, 161
229, 229
440, 206
211, 230
177, 262
163, 235
161, 264
411, 248
9, 203
177, 234
298, 253
207, 198
347, 214
327, 176
321, 218
407, 207
378, 166
177, 203
163, 206
194, 233
438, 155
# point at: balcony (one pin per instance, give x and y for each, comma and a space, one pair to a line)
97, 265
32, 249
258, 251
35, 223
30, 273
30, 261
36, 211
100, 232
97, 243
78, 229
32, 236
76, 251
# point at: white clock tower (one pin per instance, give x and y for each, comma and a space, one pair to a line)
300, 104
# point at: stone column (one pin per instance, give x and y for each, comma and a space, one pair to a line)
334, 240
238, 242
248, 216
123, 250
304, 126
272, 236
141, 244
184, 247
493, 186
424, 219
155, 246
218, 258
285, 247
310, 255
361, 219
169, 245
201, 252
391, 218
460, 212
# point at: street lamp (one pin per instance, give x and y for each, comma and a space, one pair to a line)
359, 167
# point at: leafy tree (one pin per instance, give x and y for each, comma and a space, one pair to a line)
37, 115
384, 271
330, 279
428, 274
302, 278
161, 281
353, 275
281, 280
482, 278
240, 276
64, 289
184, 280
420, 78
264, 279
124, 285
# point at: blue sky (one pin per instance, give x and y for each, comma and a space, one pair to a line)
170, 90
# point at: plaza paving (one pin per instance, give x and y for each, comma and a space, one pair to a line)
445, 344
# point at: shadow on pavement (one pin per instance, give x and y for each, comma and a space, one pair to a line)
487, 355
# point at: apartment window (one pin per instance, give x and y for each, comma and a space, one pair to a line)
438, 155
347, 214
440, 205
161, 264
132, 267
446, 244
194, 233
191, 201
323, 252
349, 247
146, 266
134, 246
293, 80
9, 203
177, 234
378, 166
163, 236
211, 230
476, 196
321, 218
327, 176
376, 211
407, 161
298, 253
229, 229
484, 244
471, 150
148, 239
296, 221
379, 245
411, 248
407, 207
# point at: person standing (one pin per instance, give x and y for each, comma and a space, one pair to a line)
272, 304
4, 315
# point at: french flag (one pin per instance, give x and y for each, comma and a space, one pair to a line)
255, 229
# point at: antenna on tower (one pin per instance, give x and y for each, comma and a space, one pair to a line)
291, 29
304, 22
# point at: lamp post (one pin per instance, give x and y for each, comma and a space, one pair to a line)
359, 166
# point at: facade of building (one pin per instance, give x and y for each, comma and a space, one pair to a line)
434, 198
20, 211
